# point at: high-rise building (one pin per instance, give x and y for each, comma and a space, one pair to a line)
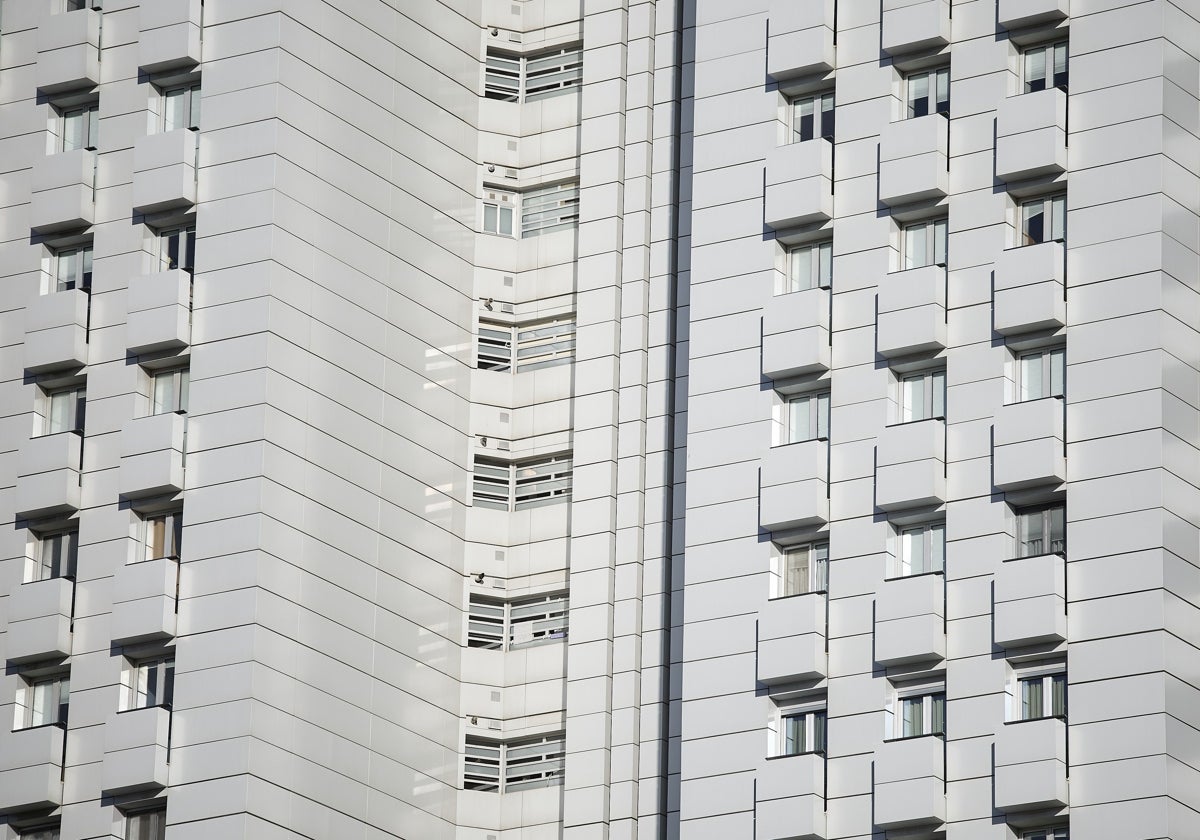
530, 419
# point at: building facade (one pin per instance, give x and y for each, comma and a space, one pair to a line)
487, 420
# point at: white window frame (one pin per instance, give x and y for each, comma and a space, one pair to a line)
801, 569
71, 268
43, 701
925, 243
1044, 515
1053, 364
169, 389
811, 723
146, 824
160, 534
180, 239
504, 206
922, 395
87, 116
502, 766
1052, 210
55, 555
526, 346
523, 484
1044, 677
926, 697
189, 110
929, 557
548, 208
805, 417
65, 409
933, 81
808, 266
820, 109
149, 682
1056, 832
498, 624
511, 77
41, 832
1040, 66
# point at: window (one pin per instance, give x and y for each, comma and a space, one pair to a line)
925, 244
803, 569
928, 92
169, 391
56, 555
1046, 66
808, 267
525, 347
1055, 833
146, 825
65, 410
494, 624
1041, 696
922, 549
812, 116
923, 396
162, 535
1044, 219
551, 208
525, 484
515, 765
515, 78
1041, 373
807, 418
801, 731
75, 5
42, 833
177, 248
498, 207
151, 683
79, 127
922, 714
181, 107
72, 268
1042, 530
44, 701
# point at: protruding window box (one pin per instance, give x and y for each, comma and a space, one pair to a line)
135, 751
164, 171
1031, 765
56, 331
1030, 601
1028, 288
1028, 445
912, 160
790, 797
910, 25
152, 455
1031, 135
910, 783
909, 620
170, 35
144, 599
68, 48
63, 195
799, 184
48, 475
1013, 14
160, 312
793, 489
791, 639
910, 466
912, 312
31, 768
796, 334
800, 42
39, 620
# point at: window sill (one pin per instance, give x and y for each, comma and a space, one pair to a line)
1063, 718
941, 418
61, 724
823, 287
166, 706
174, 557
797, 442
1062, 554
939, 735
78, 432
820, 592
1037, 399
71, 578
915, 575
796, 755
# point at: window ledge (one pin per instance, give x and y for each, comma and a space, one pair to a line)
821, 592
796, 755
61, 724
1062, 554
939, 735
918, 574
940, 418
166, 706
1063, 718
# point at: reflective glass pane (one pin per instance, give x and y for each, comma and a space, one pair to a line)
912, 399
1032, 387
1058, 372
915, 246
801, 269
938, 385
174, 109
937, 548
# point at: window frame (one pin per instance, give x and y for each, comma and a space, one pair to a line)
813, 719
933, 235
184, 238
553, 754
55, 690
1053, 207
1047, 373
790, 581
73, 400
932, 699
932, 561
1050, 75
171, 544
814, 407
822, 119
1045, 512
916, 106
138, 692
500, 200
77, 271
526, 345
40, 832
799, 261
190, 110
157, 830
932, 397
180, 379
63, 563
1053, 832
548, 208
1052, 694
486, 613
519, 77
89, 123
558, 481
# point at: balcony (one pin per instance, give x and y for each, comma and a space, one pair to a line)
1031, 765
56, 331
796, 334
910, 465
910, 783
909, 620
39, 620
912, 312
135, 751
909, 26
790, 798
800, 40
1030, 601
164, 171
1013, 14
1027, 445
1029, 289
170, 35
1031, 135
63, 190
791, 639
152, 454
799, 184
31, 763
144, 599
68, 51
793, 486
48, 475
160, 312
913, 156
